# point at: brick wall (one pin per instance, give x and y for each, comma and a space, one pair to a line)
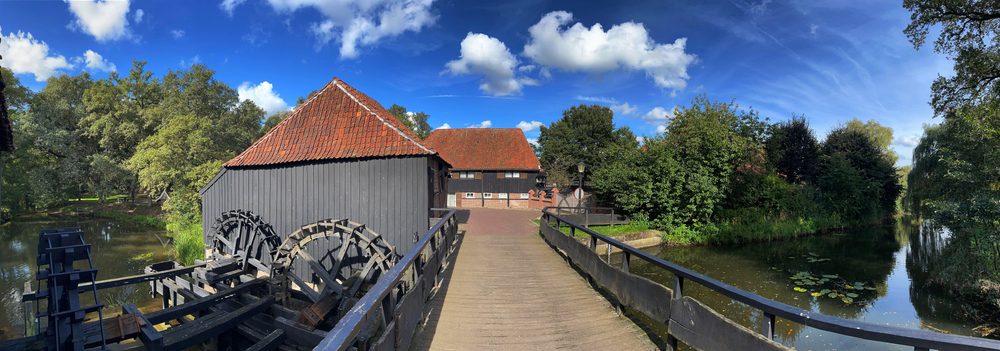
514, 200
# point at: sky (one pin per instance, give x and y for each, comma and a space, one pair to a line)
509, 63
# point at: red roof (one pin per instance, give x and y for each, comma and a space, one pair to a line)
484, 149
338, 122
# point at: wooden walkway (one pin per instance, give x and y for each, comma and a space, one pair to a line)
509, 290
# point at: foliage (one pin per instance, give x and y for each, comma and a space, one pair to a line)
579, 136
968, 33
877, 182
792, 150
271, 122
880, 135
416, 121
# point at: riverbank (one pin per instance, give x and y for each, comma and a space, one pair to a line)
142, 213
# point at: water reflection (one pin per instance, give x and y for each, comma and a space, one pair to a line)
119, 249
888, 263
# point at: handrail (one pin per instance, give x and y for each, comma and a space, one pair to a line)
341, 337
919, 339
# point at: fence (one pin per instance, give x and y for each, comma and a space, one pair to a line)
694, 324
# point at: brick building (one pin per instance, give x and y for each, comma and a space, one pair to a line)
490, 167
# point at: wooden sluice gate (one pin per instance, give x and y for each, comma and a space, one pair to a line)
253, 292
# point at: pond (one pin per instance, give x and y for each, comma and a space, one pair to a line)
872, 274
119, 249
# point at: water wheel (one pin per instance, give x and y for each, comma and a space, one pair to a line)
244, 237
354, 258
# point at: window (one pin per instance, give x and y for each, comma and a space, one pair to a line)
502, 195
466, 175
487, 195
524, 195
470, 195
510, 174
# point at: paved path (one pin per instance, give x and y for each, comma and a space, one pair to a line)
509, 290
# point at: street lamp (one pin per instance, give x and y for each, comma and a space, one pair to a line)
580, 168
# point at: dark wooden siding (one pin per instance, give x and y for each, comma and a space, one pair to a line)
491, 184
389, 195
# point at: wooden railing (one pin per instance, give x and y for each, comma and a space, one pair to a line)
693, 323
396, 302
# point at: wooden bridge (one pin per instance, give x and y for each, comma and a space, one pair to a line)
500, 283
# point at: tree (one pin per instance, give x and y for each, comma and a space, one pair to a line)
873, 164
416, 121
579, 136
792, 150
271, 122
968, 33
880, 135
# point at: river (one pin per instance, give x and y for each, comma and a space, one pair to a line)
119, 249
871, 274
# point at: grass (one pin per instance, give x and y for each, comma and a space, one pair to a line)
96, 199
189, 244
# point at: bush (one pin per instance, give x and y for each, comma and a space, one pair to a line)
189, 242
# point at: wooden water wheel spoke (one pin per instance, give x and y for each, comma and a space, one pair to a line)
245, 236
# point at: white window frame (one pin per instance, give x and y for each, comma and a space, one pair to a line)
502, 196
525, 196
467, 175
512, 174
470, 195
487, 195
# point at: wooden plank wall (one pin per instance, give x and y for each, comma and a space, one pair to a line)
688, 320
389, 195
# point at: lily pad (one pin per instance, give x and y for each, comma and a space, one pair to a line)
815, 294
851, 295
824, 291
847, 300
831, 276
799, 289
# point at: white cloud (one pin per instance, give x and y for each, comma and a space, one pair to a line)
600, 99
661, 128
444, 126
263, 96
483, 124
105, 20
97, 62
527, 126
137, 17
230, 5
356, 23
910, 141
489, 57
658, 114
22, 54
624, 108
177, 33
533, 141
594, 50
812, 29
188, 63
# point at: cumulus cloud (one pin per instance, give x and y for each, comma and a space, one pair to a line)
658, 114
177, 33
910, 141
527, 126
624, 108
356, 23
628, 45
486, 56
230, 5
137, 17
263, 96
105, 20
96, 62
483, 124
444, 126
22, 54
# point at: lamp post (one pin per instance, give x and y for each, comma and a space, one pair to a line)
580, 168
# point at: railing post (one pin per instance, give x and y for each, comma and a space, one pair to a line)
612, 217
586, 217
609, 253
572, 232
593, 243
625, 258
678, 286
767, 325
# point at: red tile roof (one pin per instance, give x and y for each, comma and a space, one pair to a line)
484, 149
338, 122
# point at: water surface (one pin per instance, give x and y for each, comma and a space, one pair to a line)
118, 249
888, 263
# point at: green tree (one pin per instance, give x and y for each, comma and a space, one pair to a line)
579, 136
968, 34
872, 162
416, 121
879, 134
271, 122
792, 150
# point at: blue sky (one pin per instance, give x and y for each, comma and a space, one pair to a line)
511, 63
